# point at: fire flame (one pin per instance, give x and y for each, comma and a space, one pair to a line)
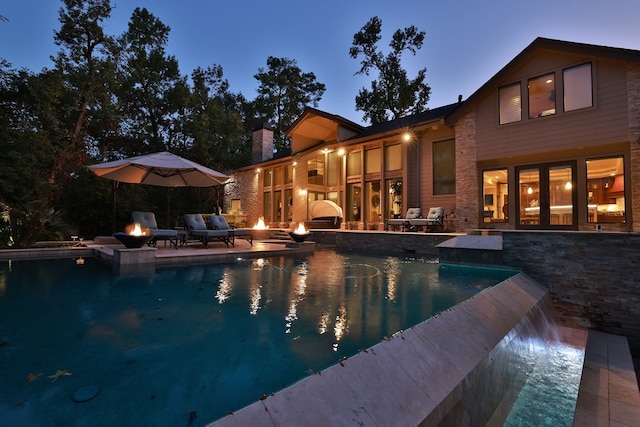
300, 229
137, 230
260, 225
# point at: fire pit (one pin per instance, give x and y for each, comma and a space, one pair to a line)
131, 241
300, 234
134, 237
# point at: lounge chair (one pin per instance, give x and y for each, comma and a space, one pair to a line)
148, 220
433, 221
404, 223
218, 222
197, 228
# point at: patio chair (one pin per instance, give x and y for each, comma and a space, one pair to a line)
404, 223
148, 220
219, 222
197, 228
433, 221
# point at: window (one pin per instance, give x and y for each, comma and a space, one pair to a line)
578, 90
288, 174
277, 176
444, 167
354, 167
393, 157
315, 170
333, 169
605, 190
394, 200
510, 104
542, 96
353, 211
267, 177
373, 160
495, 195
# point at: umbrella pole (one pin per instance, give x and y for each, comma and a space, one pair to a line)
115, 199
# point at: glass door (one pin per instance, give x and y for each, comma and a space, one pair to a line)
547, 196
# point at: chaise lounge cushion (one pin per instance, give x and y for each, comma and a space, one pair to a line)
197, 228
148, 220
412, 213
434, 220
219, 222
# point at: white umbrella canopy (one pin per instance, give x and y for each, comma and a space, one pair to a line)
162, 169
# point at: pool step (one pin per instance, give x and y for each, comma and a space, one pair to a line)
609, 388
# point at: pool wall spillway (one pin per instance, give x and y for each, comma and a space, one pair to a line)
461, 367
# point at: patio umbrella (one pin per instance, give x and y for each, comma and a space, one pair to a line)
162, 169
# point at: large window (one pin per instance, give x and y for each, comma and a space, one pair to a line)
542, 96
510, 104
444, 167
333, 169
578, 90
605, 190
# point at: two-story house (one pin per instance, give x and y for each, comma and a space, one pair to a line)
550, 142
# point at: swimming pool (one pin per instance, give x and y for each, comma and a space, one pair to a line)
188, 345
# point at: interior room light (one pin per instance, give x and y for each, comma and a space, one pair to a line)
568, 185
529, 190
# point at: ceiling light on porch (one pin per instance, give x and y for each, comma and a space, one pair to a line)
341, 152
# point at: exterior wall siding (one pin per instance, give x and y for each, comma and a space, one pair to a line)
605, 123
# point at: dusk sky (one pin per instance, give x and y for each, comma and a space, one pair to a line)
467, 41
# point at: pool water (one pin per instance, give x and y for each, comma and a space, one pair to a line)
185, 346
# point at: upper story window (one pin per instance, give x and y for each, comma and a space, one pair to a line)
578, 90
510, 104
542, 96
267, 178
575, 87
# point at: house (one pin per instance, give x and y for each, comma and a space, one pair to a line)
552, 141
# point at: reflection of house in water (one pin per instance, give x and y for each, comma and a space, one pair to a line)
547, 143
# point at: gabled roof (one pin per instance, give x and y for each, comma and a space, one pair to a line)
542, 43
314, 127
413, 120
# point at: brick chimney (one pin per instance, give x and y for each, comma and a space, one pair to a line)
262, 143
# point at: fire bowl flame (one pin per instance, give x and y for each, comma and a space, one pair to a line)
132, 241
299, 237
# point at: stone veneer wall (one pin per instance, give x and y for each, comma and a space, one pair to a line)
593, 278
633, 94
243, 186
418, 243
467, 206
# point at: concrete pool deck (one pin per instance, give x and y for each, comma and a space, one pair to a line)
608, 391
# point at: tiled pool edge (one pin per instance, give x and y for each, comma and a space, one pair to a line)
393, 383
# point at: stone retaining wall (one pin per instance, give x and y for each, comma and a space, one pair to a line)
593, 278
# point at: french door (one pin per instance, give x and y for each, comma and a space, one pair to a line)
547, 196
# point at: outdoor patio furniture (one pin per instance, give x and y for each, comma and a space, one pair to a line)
404, 223
219, 222
324, 214
148, 220
433, 221
197, 228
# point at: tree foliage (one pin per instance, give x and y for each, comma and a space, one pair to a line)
108, 97
283, 94
392, 95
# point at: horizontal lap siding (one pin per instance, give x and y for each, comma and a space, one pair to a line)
606, 123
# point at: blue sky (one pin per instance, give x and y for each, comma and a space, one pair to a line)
467, 41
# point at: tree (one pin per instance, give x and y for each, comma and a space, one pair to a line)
151, 92
283, 94
393, 94
47, 116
